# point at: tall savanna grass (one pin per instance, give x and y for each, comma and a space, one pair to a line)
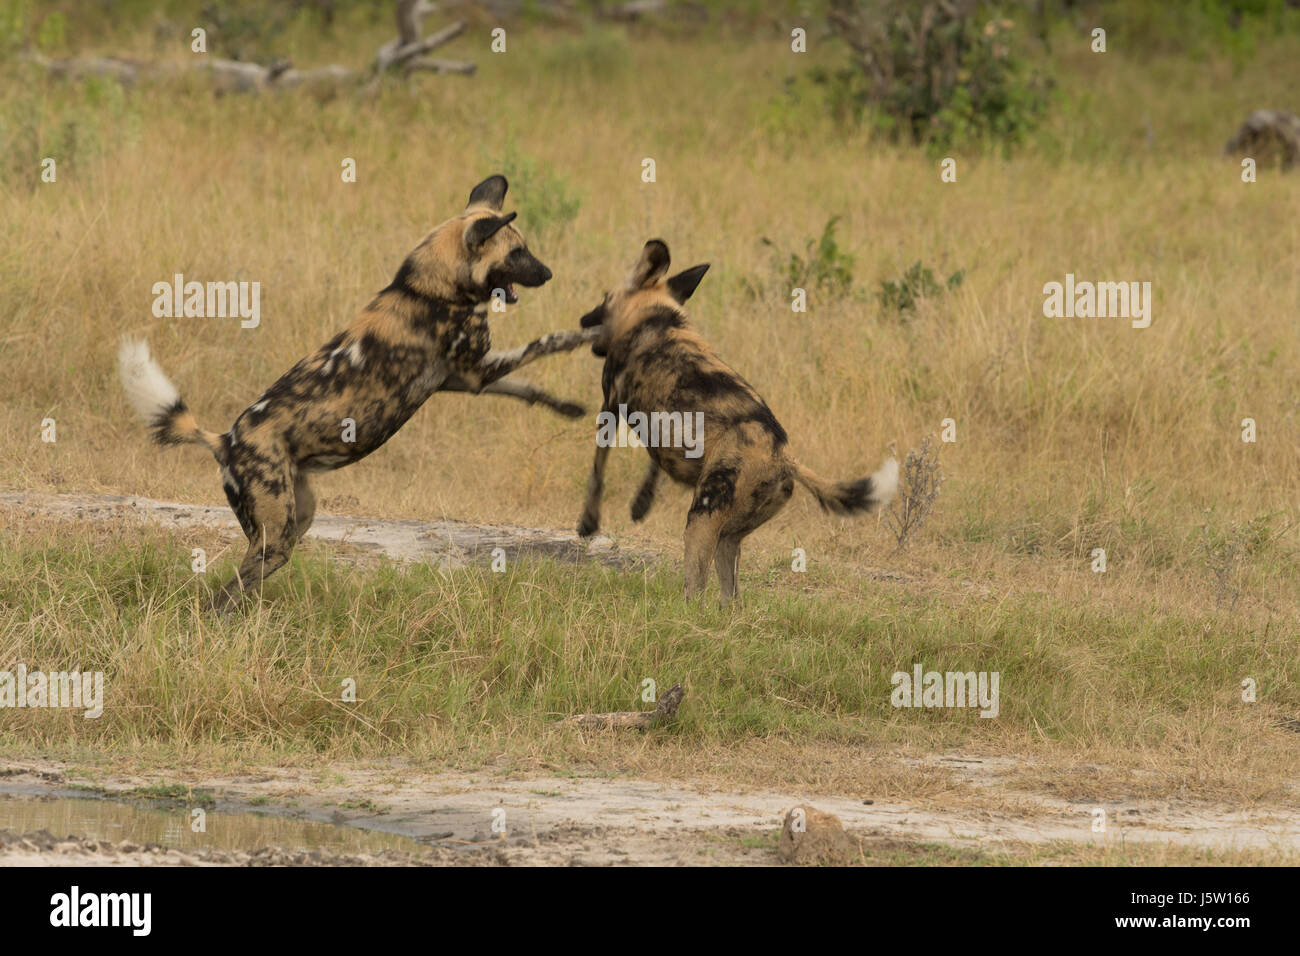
1073, 434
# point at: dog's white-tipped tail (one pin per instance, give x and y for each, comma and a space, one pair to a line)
148, 388
851, 497
884, 483
158, 401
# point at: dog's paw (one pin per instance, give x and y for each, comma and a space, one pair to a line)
588, 526
570, 409
641, 508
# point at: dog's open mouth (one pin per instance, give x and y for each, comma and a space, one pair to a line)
511, 295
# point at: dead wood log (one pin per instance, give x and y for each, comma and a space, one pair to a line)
407, 53
126, 72
664, 711
226, 76
633, 10
320, 76
434, 65
1266, 131
237, 76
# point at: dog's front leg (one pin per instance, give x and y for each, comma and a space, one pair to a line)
590, 520
498, 364
524, 391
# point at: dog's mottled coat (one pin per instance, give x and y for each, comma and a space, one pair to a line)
655, 361
427, 331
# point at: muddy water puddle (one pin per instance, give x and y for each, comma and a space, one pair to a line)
94, 818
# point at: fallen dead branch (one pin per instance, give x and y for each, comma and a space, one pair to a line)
409, 48
664, 711
227, 76
403, 55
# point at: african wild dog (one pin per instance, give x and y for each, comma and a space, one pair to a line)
656, 362
426, 332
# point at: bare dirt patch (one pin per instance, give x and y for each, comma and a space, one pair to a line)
448, 544
359, 539
490, 819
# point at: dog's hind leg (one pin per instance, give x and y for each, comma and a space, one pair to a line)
712, 509
645, 495
590, 520
269, 502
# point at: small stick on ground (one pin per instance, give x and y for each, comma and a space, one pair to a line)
633, 720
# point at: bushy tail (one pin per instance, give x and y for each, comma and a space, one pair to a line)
851, 497
158, 402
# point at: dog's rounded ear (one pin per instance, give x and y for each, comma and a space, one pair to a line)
481, 230
683, 285
490, 193
593, 318
650, 266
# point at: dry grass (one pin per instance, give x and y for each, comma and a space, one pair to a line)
473, 668
1073, 434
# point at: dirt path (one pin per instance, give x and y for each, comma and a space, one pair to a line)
551, 820
445, 543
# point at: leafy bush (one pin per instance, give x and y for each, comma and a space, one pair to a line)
15, 21
72, 123
1192, 28
931, 73
599, 50
1224, 552
545, 198
52, 35
823, 266
258, 31
902, 294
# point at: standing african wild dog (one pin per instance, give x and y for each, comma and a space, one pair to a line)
426, 332
656, 362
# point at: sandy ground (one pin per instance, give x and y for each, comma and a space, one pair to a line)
551, 820
444, 543
42, 848
447, 544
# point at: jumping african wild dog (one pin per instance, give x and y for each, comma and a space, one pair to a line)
656, 362
426, 332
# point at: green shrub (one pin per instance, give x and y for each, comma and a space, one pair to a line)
902, 294
935, 73
1192, 28
823, 266
545, 199
70, 121
15, 21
